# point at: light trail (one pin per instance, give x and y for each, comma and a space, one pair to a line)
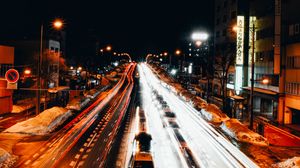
210, 148
166, 152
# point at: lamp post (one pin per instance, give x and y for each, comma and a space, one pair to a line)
57, 24
263, 81
252, 78
147, 57
126, 54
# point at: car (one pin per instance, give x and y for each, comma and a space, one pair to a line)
173, 124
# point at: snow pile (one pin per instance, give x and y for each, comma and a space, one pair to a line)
240, 132
289, 163
91, 93
3, 155
22, 107
77, 104
6, 159
43, 123
213, 114
198, 103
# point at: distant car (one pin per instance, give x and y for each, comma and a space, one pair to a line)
170, 114
173, 124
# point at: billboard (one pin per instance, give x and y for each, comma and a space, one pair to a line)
240, 40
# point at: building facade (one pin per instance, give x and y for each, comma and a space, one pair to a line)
6, 62
270, 33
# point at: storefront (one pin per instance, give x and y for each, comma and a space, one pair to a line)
265, 102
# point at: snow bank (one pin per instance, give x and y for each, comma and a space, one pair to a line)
213, 114
6, 159
240, 132
21, 108
77, 104
289, 163
3, 155
91, 93
43, 123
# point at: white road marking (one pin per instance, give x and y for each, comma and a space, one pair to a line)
77, 156
27, 162
35, 155
42, 149
72, 164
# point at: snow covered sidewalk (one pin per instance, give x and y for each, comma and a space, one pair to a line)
43, 123
240, 132
289, 163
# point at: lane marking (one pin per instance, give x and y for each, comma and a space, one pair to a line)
77, 156
27, 162
35, 155
72, 164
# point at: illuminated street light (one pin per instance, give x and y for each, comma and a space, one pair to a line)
177, 52
235, 28
199, 36
71, 67
165, 53
79, 68
58, 24
27, 72
101, 50
108, 48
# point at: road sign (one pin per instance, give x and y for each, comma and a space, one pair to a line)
12, 76
12, 85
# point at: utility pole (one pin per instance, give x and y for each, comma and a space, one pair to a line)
38, 92
252, 78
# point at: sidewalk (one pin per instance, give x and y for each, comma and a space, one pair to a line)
279, 135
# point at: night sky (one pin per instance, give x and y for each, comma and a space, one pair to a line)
137, 27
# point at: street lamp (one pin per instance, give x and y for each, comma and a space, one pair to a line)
56, 24
27, 72
252, 77
108, 48
147, 57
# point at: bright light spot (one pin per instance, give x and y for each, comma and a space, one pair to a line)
199, 36
116, 63
235, 28
58, 24
71, 67
27, 72
190, 68
198, 43
108, 48
161, 59
79, 68
173, 71
265, 81
165, 53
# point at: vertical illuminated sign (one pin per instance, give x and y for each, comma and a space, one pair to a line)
240, 40
239, 54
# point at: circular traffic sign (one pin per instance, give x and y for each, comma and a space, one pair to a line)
12, 76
